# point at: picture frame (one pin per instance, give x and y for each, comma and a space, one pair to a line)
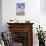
20, 9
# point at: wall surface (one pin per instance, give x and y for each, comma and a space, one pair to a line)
43, 6
0, 15
33, 12
43, 14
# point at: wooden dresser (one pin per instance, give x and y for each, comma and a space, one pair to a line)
22, 33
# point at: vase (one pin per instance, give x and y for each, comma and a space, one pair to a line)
41, 43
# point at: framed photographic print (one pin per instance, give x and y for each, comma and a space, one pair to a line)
20, 9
